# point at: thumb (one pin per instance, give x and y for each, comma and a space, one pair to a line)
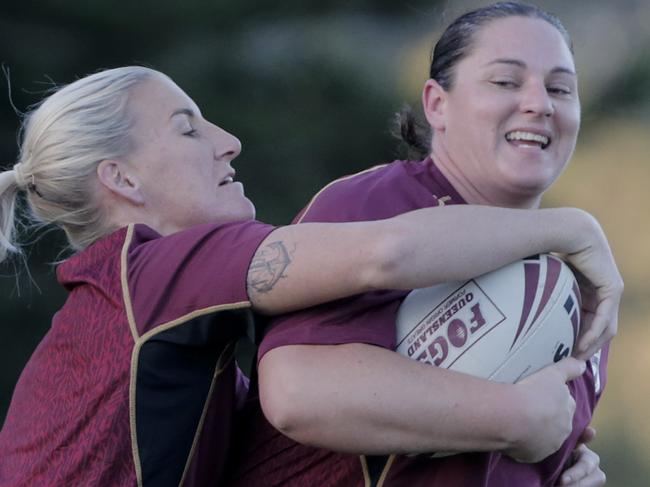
587, 435
570, 368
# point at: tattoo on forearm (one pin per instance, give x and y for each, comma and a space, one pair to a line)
268, 266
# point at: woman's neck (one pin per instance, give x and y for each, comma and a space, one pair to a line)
473, 192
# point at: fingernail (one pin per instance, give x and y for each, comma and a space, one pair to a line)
566, 479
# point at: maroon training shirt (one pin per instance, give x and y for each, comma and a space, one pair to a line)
138, 364
266, 458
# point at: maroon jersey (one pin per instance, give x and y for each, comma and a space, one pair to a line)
267, 458
138, 364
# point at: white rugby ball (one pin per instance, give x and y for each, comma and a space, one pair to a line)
502, 326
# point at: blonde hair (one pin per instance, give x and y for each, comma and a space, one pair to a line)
64, 139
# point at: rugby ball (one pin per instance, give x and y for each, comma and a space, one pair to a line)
501, 326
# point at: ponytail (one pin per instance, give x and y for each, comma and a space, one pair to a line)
8, 192
413, 132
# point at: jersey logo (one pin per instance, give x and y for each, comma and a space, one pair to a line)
442, 201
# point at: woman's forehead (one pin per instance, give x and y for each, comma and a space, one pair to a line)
159, 99
525, 39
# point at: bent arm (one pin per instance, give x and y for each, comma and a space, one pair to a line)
364, 399
359, 398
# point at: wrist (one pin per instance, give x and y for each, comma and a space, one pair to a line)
575, 230
515, 423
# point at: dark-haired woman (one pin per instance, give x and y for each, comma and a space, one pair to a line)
503, 114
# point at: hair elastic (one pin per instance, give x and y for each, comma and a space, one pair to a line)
31, 186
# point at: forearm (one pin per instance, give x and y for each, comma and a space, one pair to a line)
465, 241
370, 400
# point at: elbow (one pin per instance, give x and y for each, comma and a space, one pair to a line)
280, 409
282, 398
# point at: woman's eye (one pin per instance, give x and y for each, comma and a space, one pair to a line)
559, 90
504, 83
190, 133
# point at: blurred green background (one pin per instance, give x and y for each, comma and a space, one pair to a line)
310, 89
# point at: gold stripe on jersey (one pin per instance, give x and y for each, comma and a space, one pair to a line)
128, 308
224, 359
134, 435
367, 481
384, 473
222, 362
125, 283
313, 200
190, 316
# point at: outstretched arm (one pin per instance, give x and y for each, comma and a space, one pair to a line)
298, 266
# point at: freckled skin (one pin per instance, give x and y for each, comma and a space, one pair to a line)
181, 159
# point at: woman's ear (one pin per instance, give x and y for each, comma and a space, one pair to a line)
434, 101
120, 180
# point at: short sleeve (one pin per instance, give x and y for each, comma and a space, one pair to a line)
199, 268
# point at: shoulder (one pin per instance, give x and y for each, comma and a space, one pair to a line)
348, 198
164, 277
93, 262
208, 244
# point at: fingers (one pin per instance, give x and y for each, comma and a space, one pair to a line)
585, 472
602, 328
601, 288
596, 478
587, 435
599, 327
570, 368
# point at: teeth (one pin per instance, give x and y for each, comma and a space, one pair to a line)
528, 136
226, 180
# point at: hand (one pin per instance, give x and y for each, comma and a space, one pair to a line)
601, 286
548, 408
585, 471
